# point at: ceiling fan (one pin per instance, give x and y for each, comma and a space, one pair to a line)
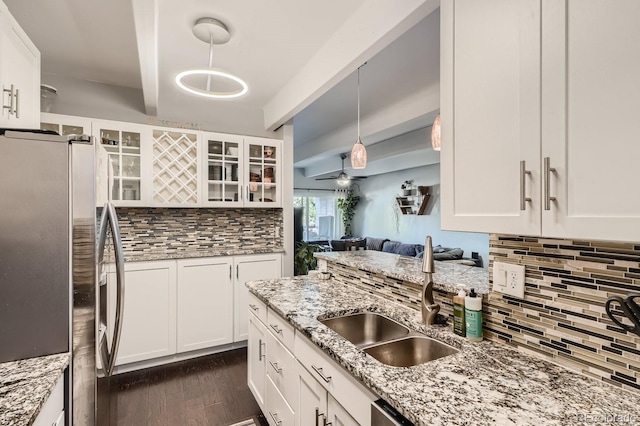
342, 179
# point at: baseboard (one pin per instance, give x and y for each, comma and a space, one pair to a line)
134, 366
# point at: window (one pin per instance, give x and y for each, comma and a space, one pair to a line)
319, 216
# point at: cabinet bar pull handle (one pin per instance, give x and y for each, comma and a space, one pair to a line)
318, 414
247, 190
275, 418
230, 267
275, 367
523, 186
320, 373
16, 108
254, 307
277, 329
238, 271
11, 102
547, 183
260, 354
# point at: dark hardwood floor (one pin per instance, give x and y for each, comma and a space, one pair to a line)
207, 391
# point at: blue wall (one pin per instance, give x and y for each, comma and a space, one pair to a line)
375, 215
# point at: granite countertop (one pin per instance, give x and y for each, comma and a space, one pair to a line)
189, 254
485, 383
25, 386
446, 276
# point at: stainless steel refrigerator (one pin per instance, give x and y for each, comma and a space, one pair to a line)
53, 265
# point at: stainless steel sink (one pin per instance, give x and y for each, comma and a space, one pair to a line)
410, 351
366, 328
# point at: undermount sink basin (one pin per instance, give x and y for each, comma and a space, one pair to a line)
410, 351
366, 328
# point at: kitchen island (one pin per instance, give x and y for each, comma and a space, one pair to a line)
485, 383
25, 386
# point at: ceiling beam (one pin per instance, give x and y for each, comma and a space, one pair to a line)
370, 29
145, 17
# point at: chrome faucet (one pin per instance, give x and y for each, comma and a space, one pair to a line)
429, 307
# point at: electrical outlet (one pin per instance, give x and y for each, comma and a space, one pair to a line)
509, 279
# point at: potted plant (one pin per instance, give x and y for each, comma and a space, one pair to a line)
348, 207
303, 260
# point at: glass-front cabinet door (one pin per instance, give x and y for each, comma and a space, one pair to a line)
119, 163
65, 125
262, 175
224, 170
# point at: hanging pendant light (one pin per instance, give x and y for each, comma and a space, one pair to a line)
435, 134
359, 152
213, 32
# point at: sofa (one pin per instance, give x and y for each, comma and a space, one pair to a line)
417, 250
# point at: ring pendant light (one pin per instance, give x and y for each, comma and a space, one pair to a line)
211, 31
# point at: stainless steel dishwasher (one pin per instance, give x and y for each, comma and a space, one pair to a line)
383, 414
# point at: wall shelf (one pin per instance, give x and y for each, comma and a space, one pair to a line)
414, 200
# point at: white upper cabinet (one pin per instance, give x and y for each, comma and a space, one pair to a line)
65, 124
539, 103
242, 171
123, 163
223, 180
590, 124
19, 75
490, 112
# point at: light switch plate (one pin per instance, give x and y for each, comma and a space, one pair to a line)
509, 279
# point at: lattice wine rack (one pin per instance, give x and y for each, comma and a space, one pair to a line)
175, 167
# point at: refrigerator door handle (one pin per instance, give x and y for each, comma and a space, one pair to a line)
110, 219
117, 242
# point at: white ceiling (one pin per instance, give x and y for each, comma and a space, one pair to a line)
273, 45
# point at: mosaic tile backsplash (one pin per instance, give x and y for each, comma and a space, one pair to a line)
562, 315
401, 291
170, 230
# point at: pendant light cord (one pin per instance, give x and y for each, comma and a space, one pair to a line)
359, 102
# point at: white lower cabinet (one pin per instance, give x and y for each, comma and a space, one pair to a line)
339, 385
249, 268
294, 382
257, 360
180, 306
205, 303
316, 406
52, 411
149, 317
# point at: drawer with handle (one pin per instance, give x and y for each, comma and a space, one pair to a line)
282, 368
339, 383
279, 413
258, 308
281, 329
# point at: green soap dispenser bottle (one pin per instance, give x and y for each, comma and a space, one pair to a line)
473, 316
459, 326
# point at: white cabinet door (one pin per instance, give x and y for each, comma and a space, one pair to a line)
338, 416
65, 124
490, 112
256, 360
122, 163
263, 172
250, 268
590, 110
205, 303
149, 317
223, 184
312, 403
19, 75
